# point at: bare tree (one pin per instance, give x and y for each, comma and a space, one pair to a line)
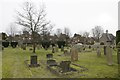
86, 34
33, 19
12, 29
97, 32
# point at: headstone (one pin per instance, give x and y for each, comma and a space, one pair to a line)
104, 50
33, 60
49, 55
56, 48
74, 54
98, 51
118, 53
51, 63
53, 50
65, 65
23, 47
109, 55
62, 48
66, 52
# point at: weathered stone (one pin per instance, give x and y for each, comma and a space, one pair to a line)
74, 54
98, 51
65, 65
109, 55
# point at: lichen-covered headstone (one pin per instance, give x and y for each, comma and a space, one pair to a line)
65, 65
98, 51
109, 55
74, 54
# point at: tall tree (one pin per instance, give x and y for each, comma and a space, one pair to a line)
33, 19
97, 32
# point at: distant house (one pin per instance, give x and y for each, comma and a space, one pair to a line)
107, 37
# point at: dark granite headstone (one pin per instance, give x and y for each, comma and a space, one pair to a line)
51, 63
49, 55
65, 65
33, 60
104, 50
53, 50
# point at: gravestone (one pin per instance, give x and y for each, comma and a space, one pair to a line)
66, 52
98, 51
104, 50
53, 50
51, 63
74, 54
23, 47
56, 48
49, 55
33, 60
109, 53
65, 65
62, 48
118, 53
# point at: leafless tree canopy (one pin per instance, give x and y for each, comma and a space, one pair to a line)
33, 19
86, 34
97, 32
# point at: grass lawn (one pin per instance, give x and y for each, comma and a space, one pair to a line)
13, 65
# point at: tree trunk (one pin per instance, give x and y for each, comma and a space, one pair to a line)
33, 41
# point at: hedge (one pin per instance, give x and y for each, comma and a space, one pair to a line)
61, 43
5, 43
14, 44
117, 36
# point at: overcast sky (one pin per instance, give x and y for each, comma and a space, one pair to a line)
78, 15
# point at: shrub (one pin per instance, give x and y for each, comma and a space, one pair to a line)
102, 43
45, 44
14, 44
117, 37
5, 44
61, 43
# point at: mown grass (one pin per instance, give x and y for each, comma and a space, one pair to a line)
13, 65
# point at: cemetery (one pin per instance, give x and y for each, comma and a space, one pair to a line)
37, 51
18, 63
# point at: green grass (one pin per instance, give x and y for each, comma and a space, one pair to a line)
13, 65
